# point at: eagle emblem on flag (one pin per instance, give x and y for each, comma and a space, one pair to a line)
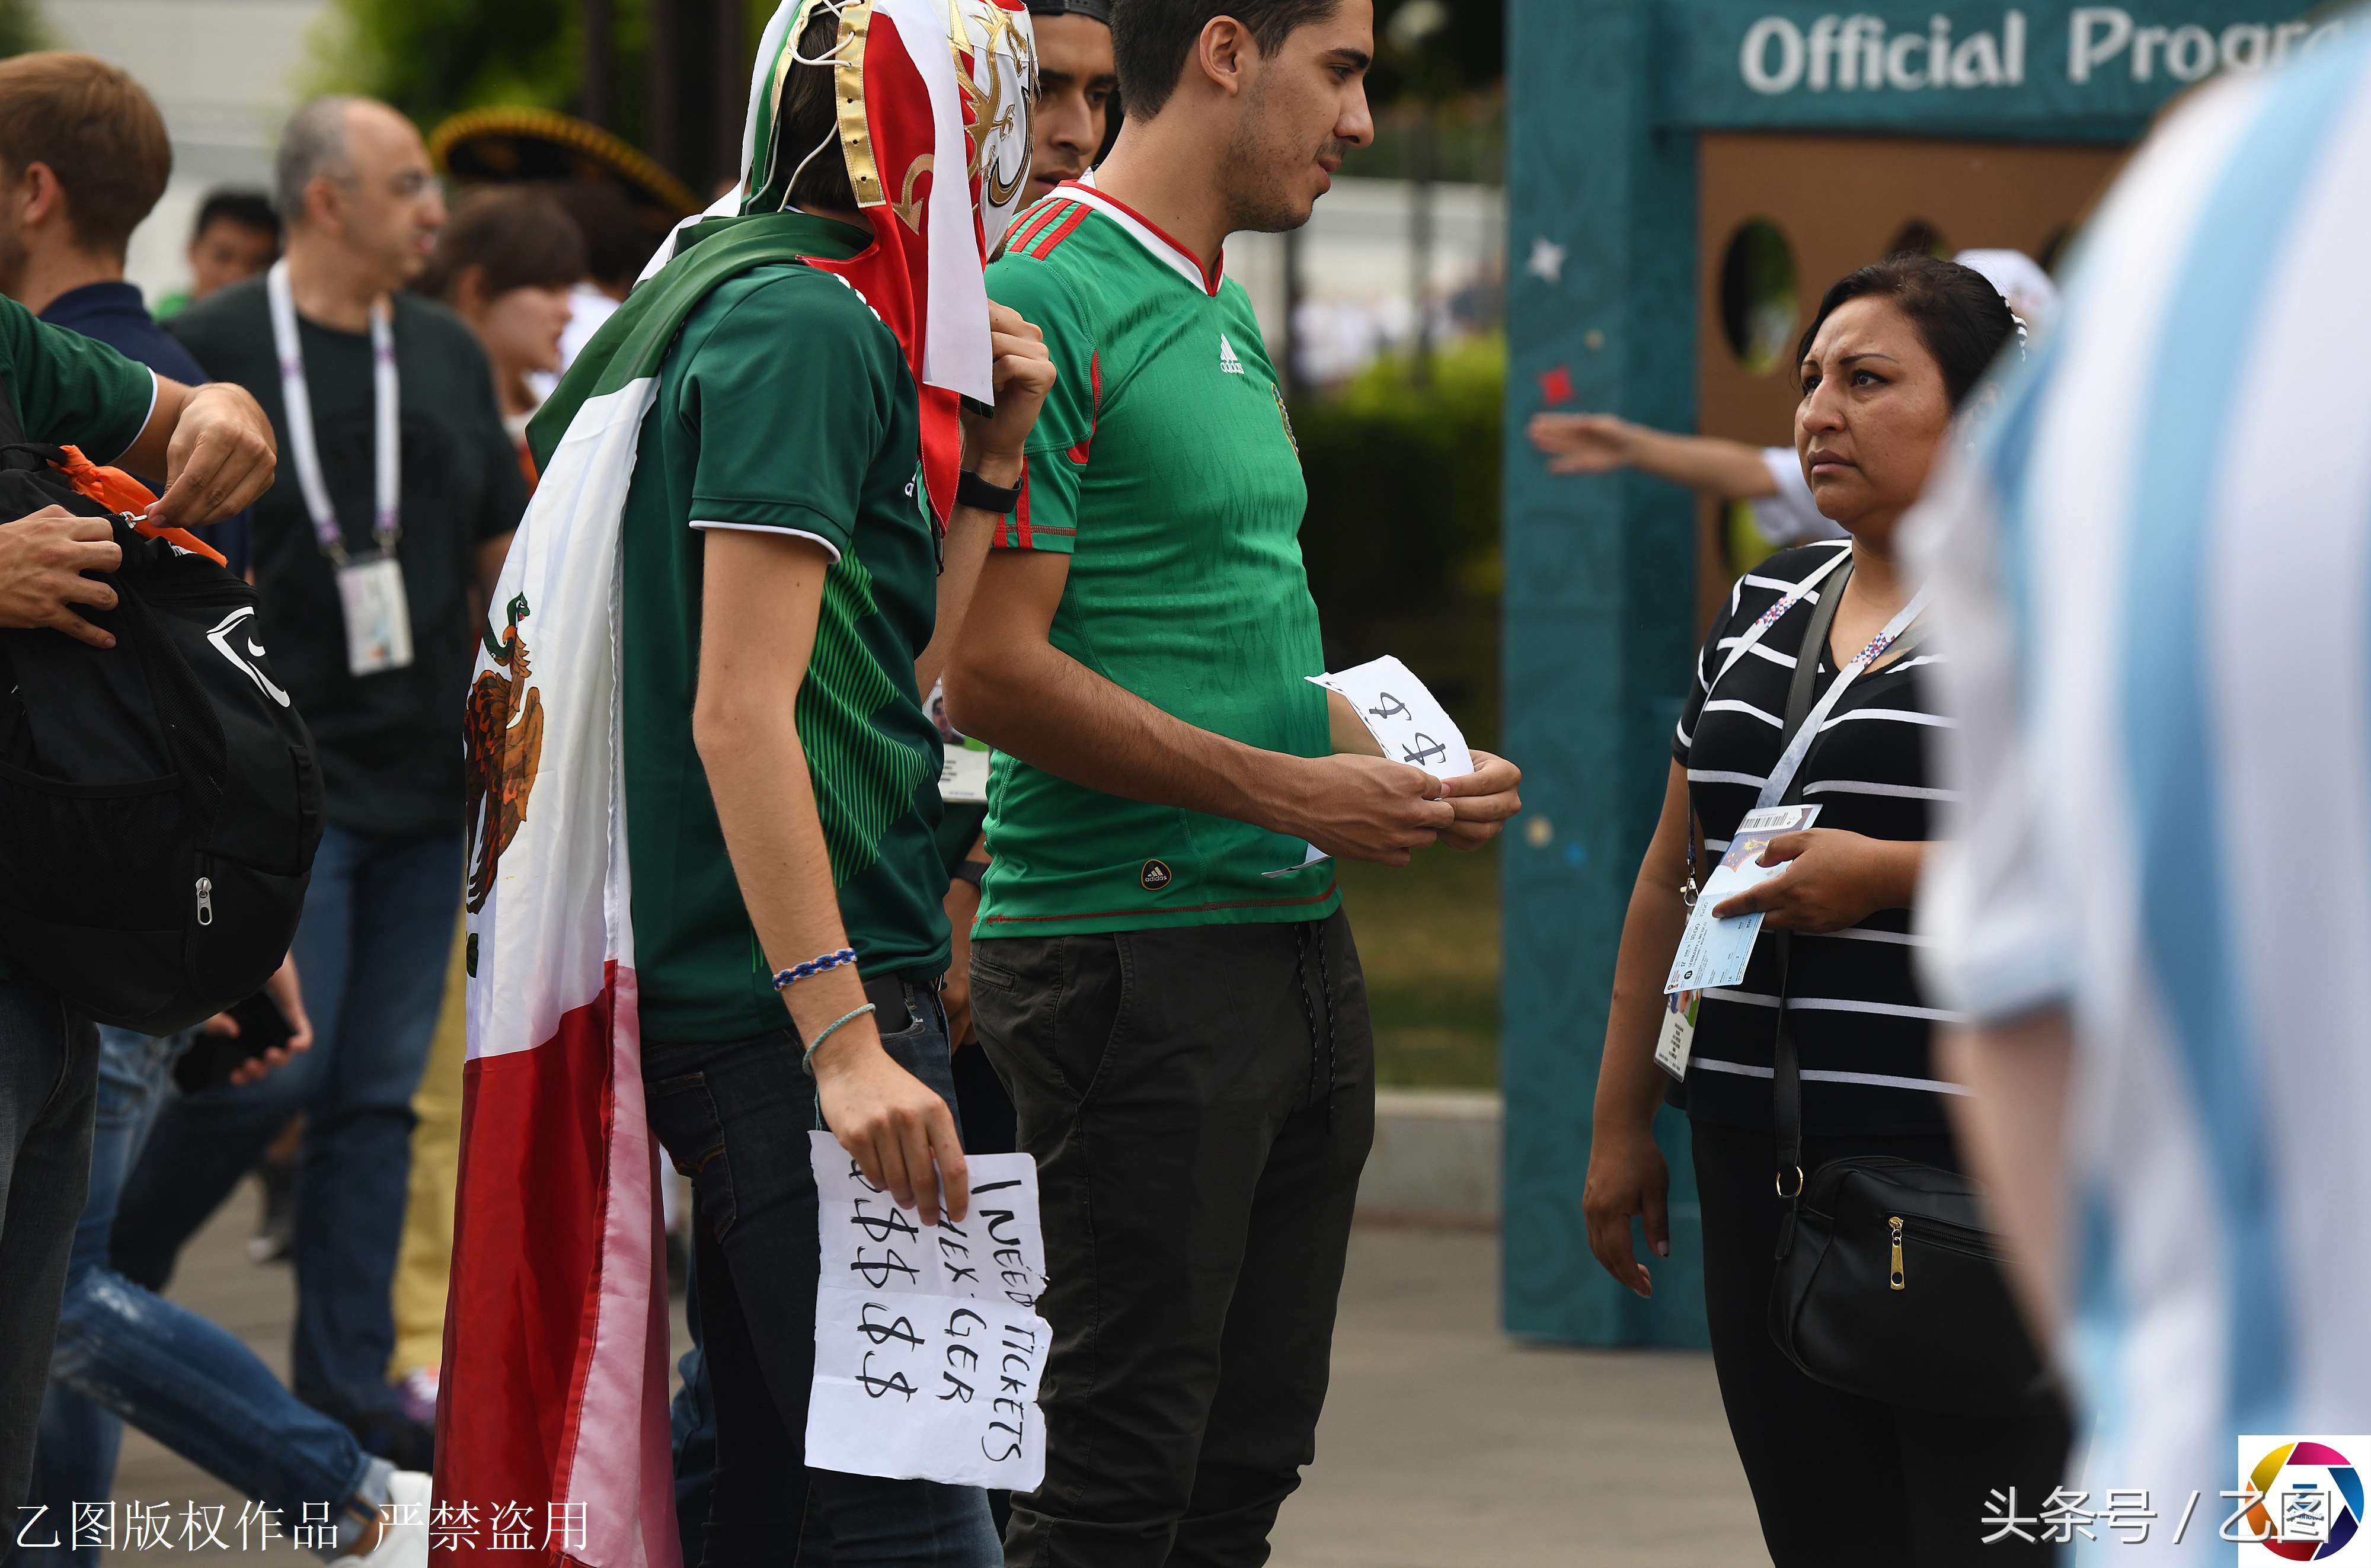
503, 727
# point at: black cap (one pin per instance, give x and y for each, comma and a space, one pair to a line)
1098, 9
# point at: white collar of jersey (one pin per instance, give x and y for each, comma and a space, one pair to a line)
1180, 259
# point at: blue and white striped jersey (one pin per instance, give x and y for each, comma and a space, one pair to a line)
2156, 573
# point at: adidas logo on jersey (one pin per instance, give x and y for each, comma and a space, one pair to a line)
1227, 360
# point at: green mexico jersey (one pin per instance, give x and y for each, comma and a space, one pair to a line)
69, 389
783, 406
1164, 465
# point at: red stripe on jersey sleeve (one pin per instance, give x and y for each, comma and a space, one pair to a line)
1059, 232
1095, 409
1029, 226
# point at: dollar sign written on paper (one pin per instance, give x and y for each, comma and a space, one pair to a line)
878, 1388
1392, 709
877, 1273
881, 1227
903, 1328
1426, 749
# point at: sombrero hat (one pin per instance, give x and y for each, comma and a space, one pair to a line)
500, 146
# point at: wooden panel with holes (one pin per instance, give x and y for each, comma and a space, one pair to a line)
1824, 205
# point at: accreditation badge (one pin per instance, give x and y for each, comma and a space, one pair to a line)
378, 616
1678, 1036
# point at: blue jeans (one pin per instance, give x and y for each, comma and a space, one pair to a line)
126, 1354
734, 1117
371, 954
48, 1069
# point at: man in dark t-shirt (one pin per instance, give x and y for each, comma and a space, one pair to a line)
371, 556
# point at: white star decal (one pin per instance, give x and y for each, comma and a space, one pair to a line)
1547, 261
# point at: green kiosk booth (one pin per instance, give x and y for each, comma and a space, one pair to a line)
1685, 178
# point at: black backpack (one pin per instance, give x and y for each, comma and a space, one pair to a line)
159, 802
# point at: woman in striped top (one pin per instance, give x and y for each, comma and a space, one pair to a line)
1892, 354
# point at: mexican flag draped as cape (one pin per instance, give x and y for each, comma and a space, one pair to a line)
551, 1431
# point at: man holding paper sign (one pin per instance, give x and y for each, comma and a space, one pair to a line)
1186, 1035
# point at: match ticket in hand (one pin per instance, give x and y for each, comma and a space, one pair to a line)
1405, 719
1714, 953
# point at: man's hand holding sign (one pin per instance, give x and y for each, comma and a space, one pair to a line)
1380, 713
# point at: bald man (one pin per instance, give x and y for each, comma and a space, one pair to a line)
370, 555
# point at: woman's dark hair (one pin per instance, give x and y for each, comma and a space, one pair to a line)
523, 238
1959, 315
806, 130
619, 237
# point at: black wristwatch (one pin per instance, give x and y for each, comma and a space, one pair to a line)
971, 871
973, 490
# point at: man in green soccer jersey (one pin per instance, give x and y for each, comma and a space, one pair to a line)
1170, 991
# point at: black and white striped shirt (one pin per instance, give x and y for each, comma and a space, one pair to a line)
1862, 1029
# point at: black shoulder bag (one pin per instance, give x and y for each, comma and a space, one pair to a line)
1889, 1285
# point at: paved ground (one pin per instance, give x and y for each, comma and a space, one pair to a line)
1444, 1446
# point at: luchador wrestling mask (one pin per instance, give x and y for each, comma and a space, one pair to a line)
897, 101
933, 100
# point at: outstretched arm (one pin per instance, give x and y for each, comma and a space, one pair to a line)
1600, 444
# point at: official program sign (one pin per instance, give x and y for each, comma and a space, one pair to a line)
928, 1348
1893, 65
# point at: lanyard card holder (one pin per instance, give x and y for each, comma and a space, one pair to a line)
378, 616
1708, 955
370, 588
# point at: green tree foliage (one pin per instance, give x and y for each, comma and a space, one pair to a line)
434, 58
1402, 537
1404, 484
21, 28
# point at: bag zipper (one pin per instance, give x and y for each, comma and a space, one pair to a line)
205, 901
1939, 1233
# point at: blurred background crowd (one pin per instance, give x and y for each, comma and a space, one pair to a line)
530, 156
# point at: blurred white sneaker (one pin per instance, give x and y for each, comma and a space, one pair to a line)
405, 1544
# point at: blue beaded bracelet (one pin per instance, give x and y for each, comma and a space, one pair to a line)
799, 972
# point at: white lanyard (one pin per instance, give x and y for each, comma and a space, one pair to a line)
1777, 612
1792, 758
386, 409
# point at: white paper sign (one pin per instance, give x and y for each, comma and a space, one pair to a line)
1406, 720
929, 1348
1714, 953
